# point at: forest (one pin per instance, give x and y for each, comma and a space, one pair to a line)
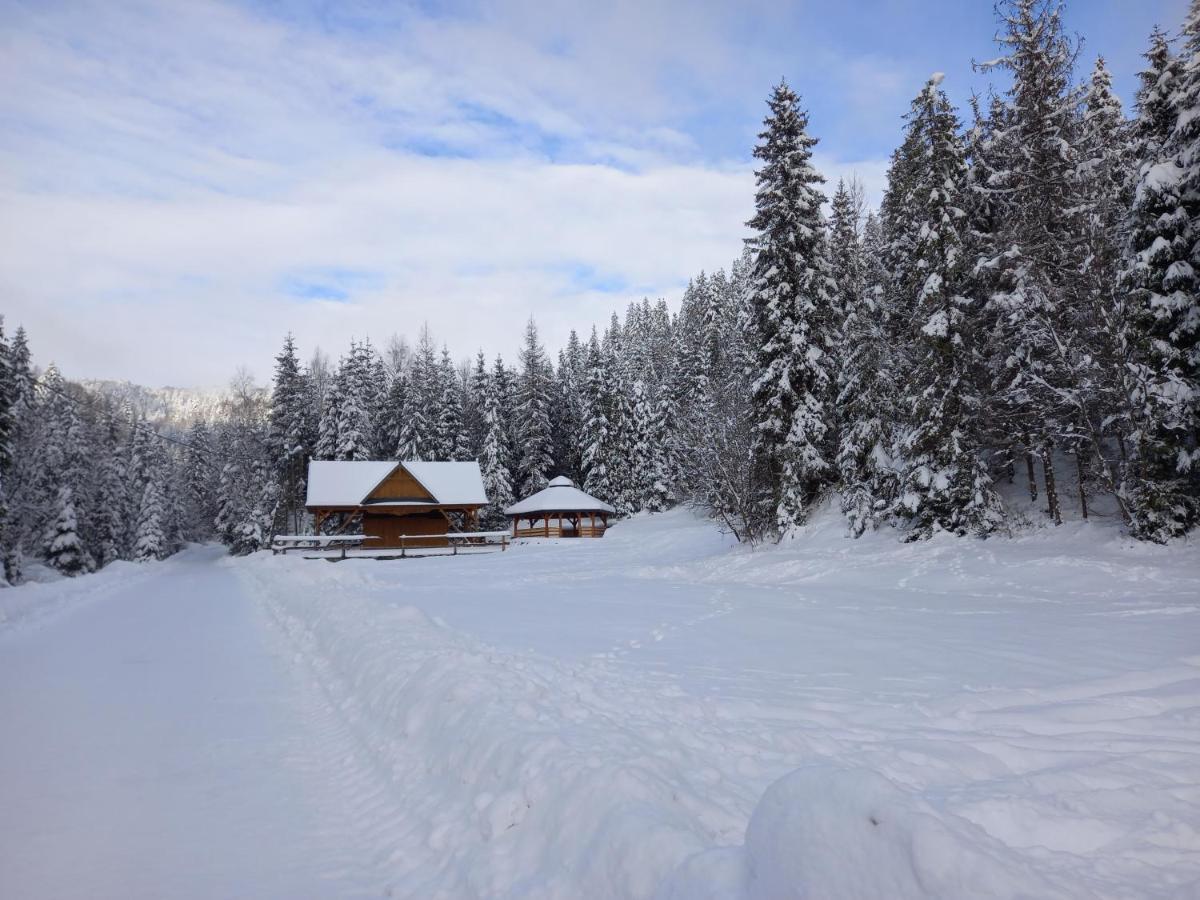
1024, 301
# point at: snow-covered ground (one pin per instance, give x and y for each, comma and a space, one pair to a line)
657, 714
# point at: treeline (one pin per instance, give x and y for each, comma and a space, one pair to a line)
1025, 299
84, 481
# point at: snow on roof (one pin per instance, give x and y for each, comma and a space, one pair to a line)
452, 483
333, 483
560, 495
336, 483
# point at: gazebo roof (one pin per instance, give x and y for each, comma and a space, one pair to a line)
560, 495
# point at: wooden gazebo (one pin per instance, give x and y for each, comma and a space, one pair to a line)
560, 510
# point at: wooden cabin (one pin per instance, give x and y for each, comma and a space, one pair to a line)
387, 500
560, 510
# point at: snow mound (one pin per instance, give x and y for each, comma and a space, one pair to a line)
828, 831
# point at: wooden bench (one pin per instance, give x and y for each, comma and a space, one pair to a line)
282, 543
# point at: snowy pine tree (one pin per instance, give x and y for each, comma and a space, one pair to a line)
1163, 493
535, 409
289, 438
597, 431
151, 541
866, 408
449, 435
945, 485
791, 315
63, 549
493, 459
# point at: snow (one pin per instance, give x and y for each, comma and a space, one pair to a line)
560, 495
452, 483
348, 483
654, 714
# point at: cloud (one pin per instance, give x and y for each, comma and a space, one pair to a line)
182, 183
548, 240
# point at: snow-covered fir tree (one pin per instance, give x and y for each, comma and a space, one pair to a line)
1163, 491
597, 431
450, 439
493, 458
648, 463
535, 411
151, 540
1039, 344
945, 485
865, 401
791, 315
63, 549
331, 416
289, 438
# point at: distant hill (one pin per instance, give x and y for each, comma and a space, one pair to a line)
167, 406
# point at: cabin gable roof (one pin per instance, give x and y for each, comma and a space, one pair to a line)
357, 483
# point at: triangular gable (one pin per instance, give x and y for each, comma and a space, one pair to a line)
400, 486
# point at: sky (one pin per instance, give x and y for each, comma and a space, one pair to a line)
183, 183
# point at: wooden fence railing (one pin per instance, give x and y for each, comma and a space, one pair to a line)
285, 542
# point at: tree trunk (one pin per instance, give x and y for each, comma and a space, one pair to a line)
1083, 506
1030, 472
1052, 507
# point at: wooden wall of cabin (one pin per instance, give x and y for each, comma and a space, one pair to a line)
389, 528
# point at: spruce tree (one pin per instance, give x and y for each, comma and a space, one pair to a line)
651, 490
1104, 175
151, 540
493, 460
109, 473
331, 415
63, 549
597, 432
354, 427
449, 435
945, 485
288, 438
1163, 491
535, 402
866, 409
1039, 343
791, 315
474, 424
418, 420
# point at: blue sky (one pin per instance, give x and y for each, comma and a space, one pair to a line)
183, 182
